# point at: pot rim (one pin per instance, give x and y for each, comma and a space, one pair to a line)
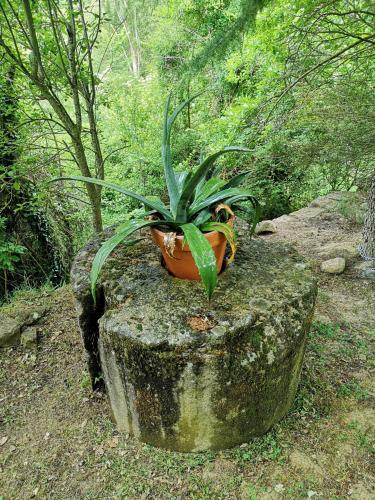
181, 236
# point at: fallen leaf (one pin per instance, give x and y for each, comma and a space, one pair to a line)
311, 493
279, 488
112, 443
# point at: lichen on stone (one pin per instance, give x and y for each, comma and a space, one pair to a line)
186, 374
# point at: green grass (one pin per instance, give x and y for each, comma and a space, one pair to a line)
326, 330
323, 296
364, 440
353, 389
326, 379
26, 294
327, 396
265, 448
85, 382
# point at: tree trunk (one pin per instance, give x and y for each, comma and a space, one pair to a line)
93, 193
96, 211
367, 247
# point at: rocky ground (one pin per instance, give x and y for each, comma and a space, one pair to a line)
57, 439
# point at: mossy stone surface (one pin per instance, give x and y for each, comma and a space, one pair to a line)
186, 374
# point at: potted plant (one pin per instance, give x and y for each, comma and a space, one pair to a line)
192, 231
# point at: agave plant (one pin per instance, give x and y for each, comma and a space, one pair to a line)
199, 202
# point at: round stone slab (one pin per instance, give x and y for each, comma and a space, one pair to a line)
185, 374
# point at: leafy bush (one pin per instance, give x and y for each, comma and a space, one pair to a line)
9, 253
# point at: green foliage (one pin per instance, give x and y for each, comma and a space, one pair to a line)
353, 389
327, 330
265, 448
9, 252
191, 194
354, 212
307, 122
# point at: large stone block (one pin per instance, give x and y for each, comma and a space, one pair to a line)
188, 375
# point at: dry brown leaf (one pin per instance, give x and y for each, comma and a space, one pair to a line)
200, 323
170, 243
113, 443
223, 206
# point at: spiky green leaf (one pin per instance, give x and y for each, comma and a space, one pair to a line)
208, 188
155, 204
170, 177
166, 155
255, 213
203, 216
221, 196
236, 181
227, 230
181, 178
200, 173
122, 232
203, 255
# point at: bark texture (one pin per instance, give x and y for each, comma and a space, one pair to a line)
367, 248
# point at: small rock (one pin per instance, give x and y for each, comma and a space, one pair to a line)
218, 330
3, 440
368, 274
35, 492
99, 451
365, 264
307, 213
29, 337
333, 266
10, 330
113, 443
344, 249
330, 200
266, 226
311, 493
32, 315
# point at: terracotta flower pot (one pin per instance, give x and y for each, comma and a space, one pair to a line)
183, 265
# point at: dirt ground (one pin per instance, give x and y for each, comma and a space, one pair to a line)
57, 439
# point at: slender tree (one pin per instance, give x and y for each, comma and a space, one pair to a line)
51, 43
332, 38
367, 247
